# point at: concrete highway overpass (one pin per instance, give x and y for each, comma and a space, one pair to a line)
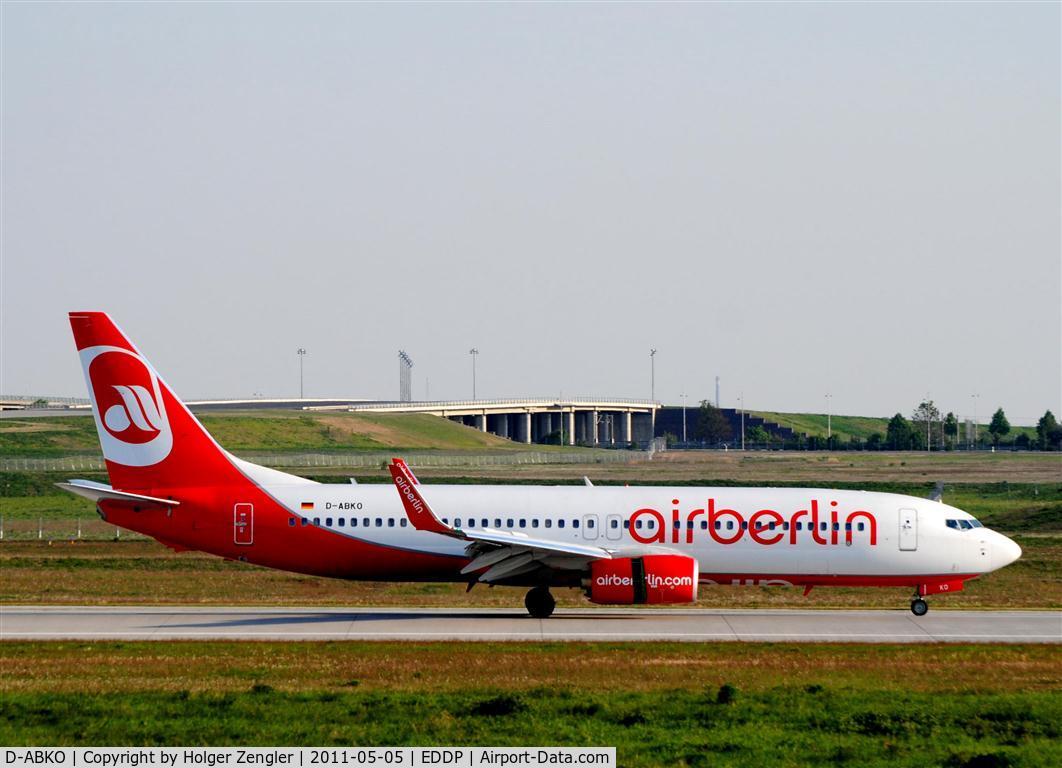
574, 421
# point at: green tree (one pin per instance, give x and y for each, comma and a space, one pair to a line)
924, 417
757, 434
898, 434
999, 426
1047, 432
712, 426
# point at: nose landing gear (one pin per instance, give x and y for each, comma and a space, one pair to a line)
919, 607
540, 603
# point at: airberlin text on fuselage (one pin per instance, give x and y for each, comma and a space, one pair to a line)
757, 525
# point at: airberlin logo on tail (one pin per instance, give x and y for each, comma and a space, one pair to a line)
127, 400
137, 409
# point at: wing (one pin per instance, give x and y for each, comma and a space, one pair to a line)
498, 554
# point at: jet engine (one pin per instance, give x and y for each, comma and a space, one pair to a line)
652, 579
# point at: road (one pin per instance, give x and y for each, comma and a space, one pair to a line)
181, 623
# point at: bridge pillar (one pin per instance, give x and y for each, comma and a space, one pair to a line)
594, 428
569, 436
481, 421
624, 427
523, 428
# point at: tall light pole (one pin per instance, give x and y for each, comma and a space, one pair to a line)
742, 399
652, 375
829, 419
475, 353
929, 425
301, 353
684, 418
975, 419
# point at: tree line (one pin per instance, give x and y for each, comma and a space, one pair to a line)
926, 429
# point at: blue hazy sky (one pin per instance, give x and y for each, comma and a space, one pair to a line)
861, 199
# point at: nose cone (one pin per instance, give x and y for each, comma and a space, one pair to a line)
1005, 551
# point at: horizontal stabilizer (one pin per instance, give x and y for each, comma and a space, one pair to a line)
98, 491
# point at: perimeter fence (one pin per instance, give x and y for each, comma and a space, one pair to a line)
359, 460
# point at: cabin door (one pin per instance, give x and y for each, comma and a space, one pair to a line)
243, 524
908, 530
590, 531
614, 527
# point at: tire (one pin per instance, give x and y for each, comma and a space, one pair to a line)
919, 607
540, 603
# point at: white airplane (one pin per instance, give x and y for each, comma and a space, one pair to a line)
621, 546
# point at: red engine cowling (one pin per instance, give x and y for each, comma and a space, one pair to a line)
651, 579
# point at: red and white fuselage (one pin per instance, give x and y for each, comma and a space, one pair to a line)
172, 481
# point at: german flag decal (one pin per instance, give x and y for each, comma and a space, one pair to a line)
307, 505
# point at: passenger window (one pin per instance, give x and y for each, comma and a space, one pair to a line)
317, 521
800, 526
677, 525
613, 524
353, 522
342, 522
328, 522
523, 522
704, 525
730, 525
379, 522
497, 522
403, 522
291, 522
718, 525
771, 525
560, 523
823, 526
390, 522
861, 526
365, 522
744, 525
785, 526
509, 523
575, 523
549, 523
836, 526
848, 526
304, 521
589, 523
534, 523
446, 521
638, 524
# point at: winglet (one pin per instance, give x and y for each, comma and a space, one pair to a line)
417, 509
401, 464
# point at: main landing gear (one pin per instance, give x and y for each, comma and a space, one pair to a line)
919, 607
540, 603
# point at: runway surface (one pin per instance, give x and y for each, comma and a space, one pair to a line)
598, 624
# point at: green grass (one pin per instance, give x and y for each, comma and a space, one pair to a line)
266, 431
789, 726
658, 704
847, 427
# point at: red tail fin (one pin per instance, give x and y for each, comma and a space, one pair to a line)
149, 438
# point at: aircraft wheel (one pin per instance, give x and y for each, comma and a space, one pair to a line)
540, 603
919, 607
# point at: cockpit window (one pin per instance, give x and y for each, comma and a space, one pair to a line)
964, 525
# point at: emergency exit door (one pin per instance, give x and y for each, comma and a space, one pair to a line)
908, 529
243, 524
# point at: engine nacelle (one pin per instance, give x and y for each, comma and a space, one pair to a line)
652, 579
